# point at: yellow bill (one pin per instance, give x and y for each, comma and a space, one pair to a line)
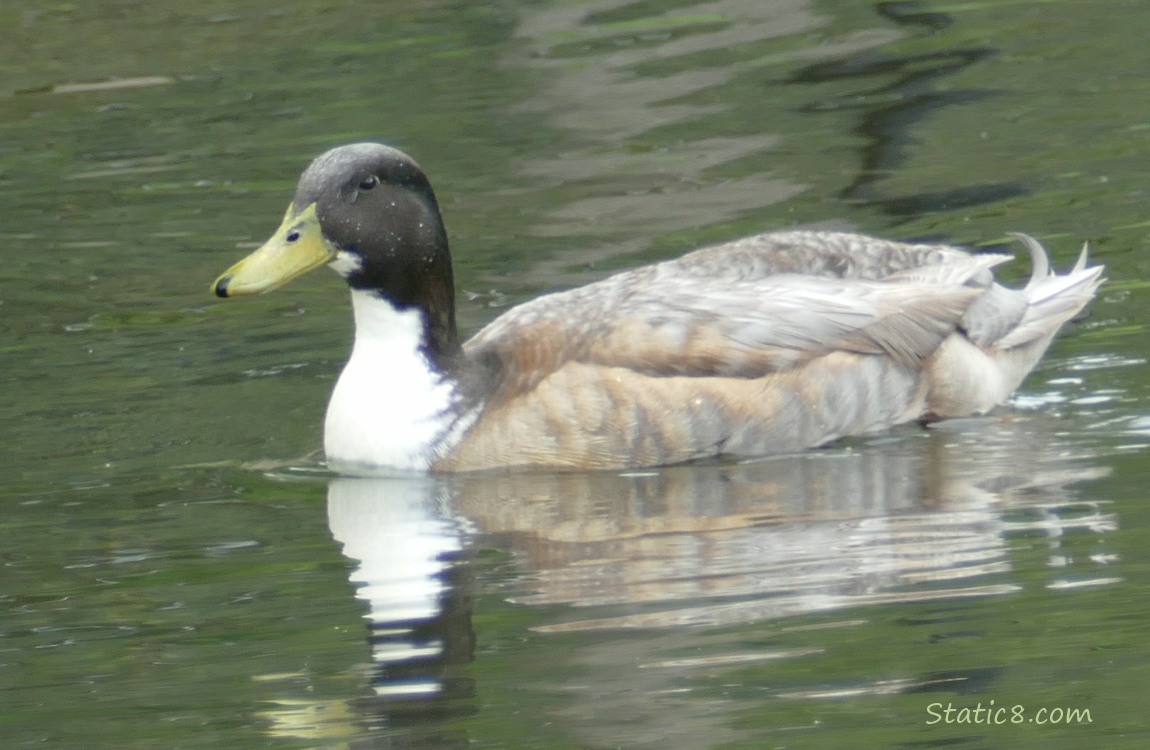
297, 247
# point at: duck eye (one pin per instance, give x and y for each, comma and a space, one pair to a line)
369, 183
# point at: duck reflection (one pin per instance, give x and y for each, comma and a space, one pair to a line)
913, 516
412, 571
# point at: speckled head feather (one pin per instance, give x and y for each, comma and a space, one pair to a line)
375, 203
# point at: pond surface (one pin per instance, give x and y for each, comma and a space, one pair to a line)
180, 572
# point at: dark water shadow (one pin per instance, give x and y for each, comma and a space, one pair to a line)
906, 93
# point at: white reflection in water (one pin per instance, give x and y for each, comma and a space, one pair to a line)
404, 543
393, 529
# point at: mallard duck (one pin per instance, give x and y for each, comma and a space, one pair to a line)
772, 343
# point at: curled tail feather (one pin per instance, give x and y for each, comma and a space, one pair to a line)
1007, 332
1051, 299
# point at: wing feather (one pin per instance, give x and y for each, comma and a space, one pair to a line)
670, 320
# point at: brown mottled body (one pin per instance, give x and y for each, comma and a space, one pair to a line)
590, 416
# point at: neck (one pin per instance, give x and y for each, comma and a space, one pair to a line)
430, 293
413, 272
441, 339
393, 404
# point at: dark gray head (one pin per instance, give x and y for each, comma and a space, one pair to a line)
374, 202
367, 210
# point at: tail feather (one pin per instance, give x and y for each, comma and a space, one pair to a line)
1039, 260
1007, 332
1080, 264
1051, 299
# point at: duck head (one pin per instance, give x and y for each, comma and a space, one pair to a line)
367, 211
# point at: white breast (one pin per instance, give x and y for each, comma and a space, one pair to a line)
389, 409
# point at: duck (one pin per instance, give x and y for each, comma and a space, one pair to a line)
770, 344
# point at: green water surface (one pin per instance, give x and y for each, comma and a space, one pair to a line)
178, 571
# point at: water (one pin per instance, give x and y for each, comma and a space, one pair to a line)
178, 571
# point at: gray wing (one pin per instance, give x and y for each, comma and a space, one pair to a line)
744, 309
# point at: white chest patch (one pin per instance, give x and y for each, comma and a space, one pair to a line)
389, 409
